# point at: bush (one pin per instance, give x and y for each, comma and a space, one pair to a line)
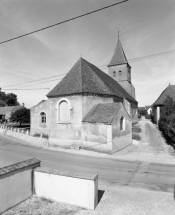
167, 120
136, 137
136, 129
147, 116
46, 136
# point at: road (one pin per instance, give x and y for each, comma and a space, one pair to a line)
112, 172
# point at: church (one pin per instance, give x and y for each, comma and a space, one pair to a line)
90, 109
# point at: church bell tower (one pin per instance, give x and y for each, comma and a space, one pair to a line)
120, 70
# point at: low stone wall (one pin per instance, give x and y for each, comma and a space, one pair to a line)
5, 128
62, 186
16, 183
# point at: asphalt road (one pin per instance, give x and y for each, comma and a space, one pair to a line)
112, 172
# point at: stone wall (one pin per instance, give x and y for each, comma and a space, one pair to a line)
121, 138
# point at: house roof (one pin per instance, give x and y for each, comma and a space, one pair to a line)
102, 113
85, 78
169, 91
8, 109
118, 56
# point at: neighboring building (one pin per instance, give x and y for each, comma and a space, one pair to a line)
169, 91
89, 108
5, 112
148, 109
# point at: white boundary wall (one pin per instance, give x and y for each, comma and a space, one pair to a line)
62, 186
16, 183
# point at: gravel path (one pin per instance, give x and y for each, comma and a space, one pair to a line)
151, 148
117, 201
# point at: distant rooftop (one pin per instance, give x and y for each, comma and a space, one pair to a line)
8, 109
169, 91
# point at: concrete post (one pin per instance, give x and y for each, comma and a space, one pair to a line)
41, 135
158, 114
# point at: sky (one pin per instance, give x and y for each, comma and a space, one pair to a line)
146, 28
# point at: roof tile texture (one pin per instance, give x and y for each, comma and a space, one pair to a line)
102, 113
118, 56
169, 91
85, 78
7, 109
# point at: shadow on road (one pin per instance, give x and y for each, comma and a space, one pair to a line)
100, 194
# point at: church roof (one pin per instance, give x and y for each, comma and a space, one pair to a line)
102, 113
86, 79
169, 91
118, 56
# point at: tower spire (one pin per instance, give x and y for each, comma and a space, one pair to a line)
118, 32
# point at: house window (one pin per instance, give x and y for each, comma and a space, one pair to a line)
64, 111
42, 117
120, 73
114, 73
122, 123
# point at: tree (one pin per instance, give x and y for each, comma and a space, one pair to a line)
21, 116
11, 99
167, 120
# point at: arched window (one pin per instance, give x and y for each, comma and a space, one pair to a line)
114, 73
122, 123
64, 111
120, 73
42, 117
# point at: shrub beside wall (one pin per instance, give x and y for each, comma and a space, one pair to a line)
167, 120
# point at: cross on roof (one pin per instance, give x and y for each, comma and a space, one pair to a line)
118, 31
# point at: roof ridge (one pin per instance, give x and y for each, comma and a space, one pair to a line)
89, 65
116, 111
80, 71
114, 81
118, 56
160, 96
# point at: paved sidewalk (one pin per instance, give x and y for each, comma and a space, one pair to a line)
115, 201
128, 201
151, 148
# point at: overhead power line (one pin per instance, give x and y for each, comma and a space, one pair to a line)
32, 83
28, 89
133, 60
40, 79
67, 20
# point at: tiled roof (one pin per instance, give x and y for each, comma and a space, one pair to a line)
86, 79
7, 109
17, 166
169, 91
102, 113
118, 56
